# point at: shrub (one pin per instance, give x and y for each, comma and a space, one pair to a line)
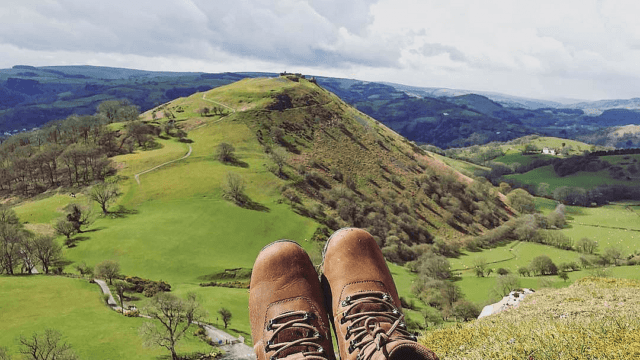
586, 246
502, 271
465, 310
543, 265
524, 271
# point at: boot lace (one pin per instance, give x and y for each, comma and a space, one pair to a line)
302, 321
365, 331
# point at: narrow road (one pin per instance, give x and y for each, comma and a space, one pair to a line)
105, 290
137, 176
233, 351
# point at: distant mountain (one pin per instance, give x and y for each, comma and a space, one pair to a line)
505, 100
32, 96
426, 119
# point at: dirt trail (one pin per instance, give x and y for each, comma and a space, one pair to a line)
137, 176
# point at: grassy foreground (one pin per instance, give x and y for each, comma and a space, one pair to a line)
595, 318
75, 308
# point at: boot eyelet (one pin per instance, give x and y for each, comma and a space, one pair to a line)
320, 349
395, 311
386, 297
351, 349
343, 320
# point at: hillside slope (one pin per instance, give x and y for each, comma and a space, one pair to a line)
595, 318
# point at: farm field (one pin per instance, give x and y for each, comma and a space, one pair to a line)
583, 179
76, 309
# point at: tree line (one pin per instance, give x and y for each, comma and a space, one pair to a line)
70, 152
20, 249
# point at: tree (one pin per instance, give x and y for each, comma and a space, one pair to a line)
433, 266
226, 152
612, 254
586, 246
522, 201
465, 310
83, 269
78, 216
279, 158
108, 269
64, 227
479, 265
505, 284
174, 316
121, 287
543, 265
563, 275
27, 254
233, 188
8, 216
226, 316
104, 194
10, 242
47, 345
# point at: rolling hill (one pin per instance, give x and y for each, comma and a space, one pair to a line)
341, 168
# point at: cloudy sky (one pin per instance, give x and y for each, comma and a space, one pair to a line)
580, 49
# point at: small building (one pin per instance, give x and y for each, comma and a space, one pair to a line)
549, 151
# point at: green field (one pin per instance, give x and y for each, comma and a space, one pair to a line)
616, 225
512, 157
75, 308
583, 179
464, 167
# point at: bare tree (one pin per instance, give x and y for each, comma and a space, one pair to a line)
234, 187
47, 251
174, 316
64, 227
108, 269
79, 216
27, 254
121, 288
225, 152
46, 346
104, 194
226, 316
279, 157
10, 243
8, 215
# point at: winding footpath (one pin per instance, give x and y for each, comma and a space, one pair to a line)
137, 176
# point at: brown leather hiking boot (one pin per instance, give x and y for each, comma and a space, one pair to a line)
363, 301
286, 306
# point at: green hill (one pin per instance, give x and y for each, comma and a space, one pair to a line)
341, 168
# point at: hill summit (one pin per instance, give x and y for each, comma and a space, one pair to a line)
343, 168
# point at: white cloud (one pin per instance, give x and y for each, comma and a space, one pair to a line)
572, 48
